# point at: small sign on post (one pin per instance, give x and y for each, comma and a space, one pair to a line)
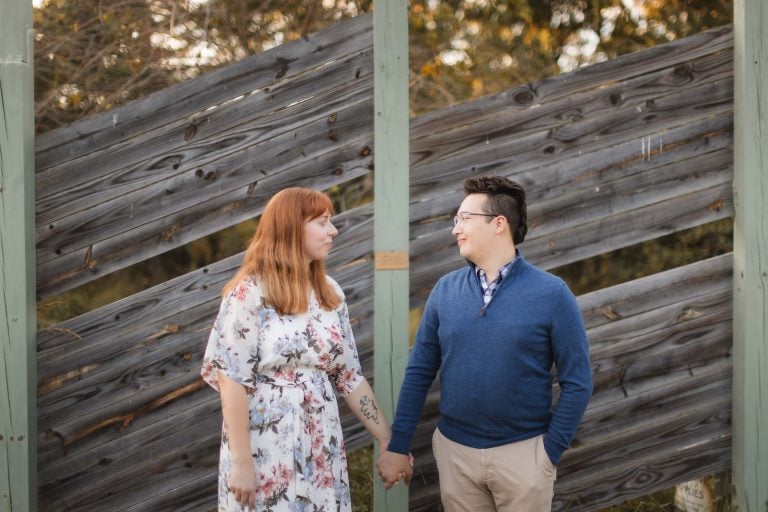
695, 496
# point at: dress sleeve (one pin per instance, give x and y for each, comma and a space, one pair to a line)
233, 343
345, 372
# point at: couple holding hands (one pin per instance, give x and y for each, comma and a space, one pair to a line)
491, 331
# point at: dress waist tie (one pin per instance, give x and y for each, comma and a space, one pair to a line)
312, 391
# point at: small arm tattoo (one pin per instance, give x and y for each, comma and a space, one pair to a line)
369, 409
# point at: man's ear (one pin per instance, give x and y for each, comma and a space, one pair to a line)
501, 224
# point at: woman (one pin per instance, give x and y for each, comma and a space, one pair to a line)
280, 345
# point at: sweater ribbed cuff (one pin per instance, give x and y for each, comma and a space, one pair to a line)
398, 445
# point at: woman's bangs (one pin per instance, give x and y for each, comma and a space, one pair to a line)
316, 205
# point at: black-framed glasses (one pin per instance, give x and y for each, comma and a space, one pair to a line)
463, 216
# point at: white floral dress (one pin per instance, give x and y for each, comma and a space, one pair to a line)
289, 365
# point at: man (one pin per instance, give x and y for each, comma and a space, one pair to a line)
493, 330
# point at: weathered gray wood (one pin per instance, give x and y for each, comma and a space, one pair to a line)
750, 246
434, 255
656, 98
677, 53
639, 99
611, 410
160, 154
673, 345
83, 453
18, 431
512, 154
199, 201
659, 290
585, 169
158, 109
193, 494
140, 461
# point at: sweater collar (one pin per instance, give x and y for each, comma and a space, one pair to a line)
515, 264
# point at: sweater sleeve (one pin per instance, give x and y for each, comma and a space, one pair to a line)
574, 374
423, 365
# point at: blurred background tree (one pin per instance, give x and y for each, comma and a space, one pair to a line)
93, 56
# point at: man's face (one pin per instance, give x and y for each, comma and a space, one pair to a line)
474, 233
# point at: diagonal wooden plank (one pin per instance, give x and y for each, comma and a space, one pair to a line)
673, 54
136, 161
158, 109
239, 163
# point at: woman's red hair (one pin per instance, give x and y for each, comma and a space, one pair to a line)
275, 256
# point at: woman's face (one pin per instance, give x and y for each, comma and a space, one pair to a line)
318, 237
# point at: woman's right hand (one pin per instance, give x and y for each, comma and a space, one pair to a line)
243, 483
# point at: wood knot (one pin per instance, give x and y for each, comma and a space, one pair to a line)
167, 235
682, 72
89, 262
716, 205
365, 151
282, 69
609, 313
524, 97
689, 313
191, 130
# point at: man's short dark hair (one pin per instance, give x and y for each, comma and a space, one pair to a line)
506, 198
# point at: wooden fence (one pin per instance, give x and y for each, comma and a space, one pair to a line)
611, 155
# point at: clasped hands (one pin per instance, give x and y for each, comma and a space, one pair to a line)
394, 467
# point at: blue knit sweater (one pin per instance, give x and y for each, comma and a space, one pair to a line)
495, 362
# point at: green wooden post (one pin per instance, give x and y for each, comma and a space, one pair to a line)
750, 265
391, 223
18, 390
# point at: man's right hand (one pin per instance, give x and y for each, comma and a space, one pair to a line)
394, 466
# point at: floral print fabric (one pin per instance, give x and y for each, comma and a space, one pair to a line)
290, 366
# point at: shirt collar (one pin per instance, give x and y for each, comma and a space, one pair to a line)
503, 271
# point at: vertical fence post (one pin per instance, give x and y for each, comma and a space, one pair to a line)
18, 467
391, 217
750, 265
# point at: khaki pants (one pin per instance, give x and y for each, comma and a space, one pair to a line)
515, 477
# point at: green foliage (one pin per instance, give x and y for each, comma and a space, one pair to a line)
360, 466
464, 49
658, 502
92, 57
649, 257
